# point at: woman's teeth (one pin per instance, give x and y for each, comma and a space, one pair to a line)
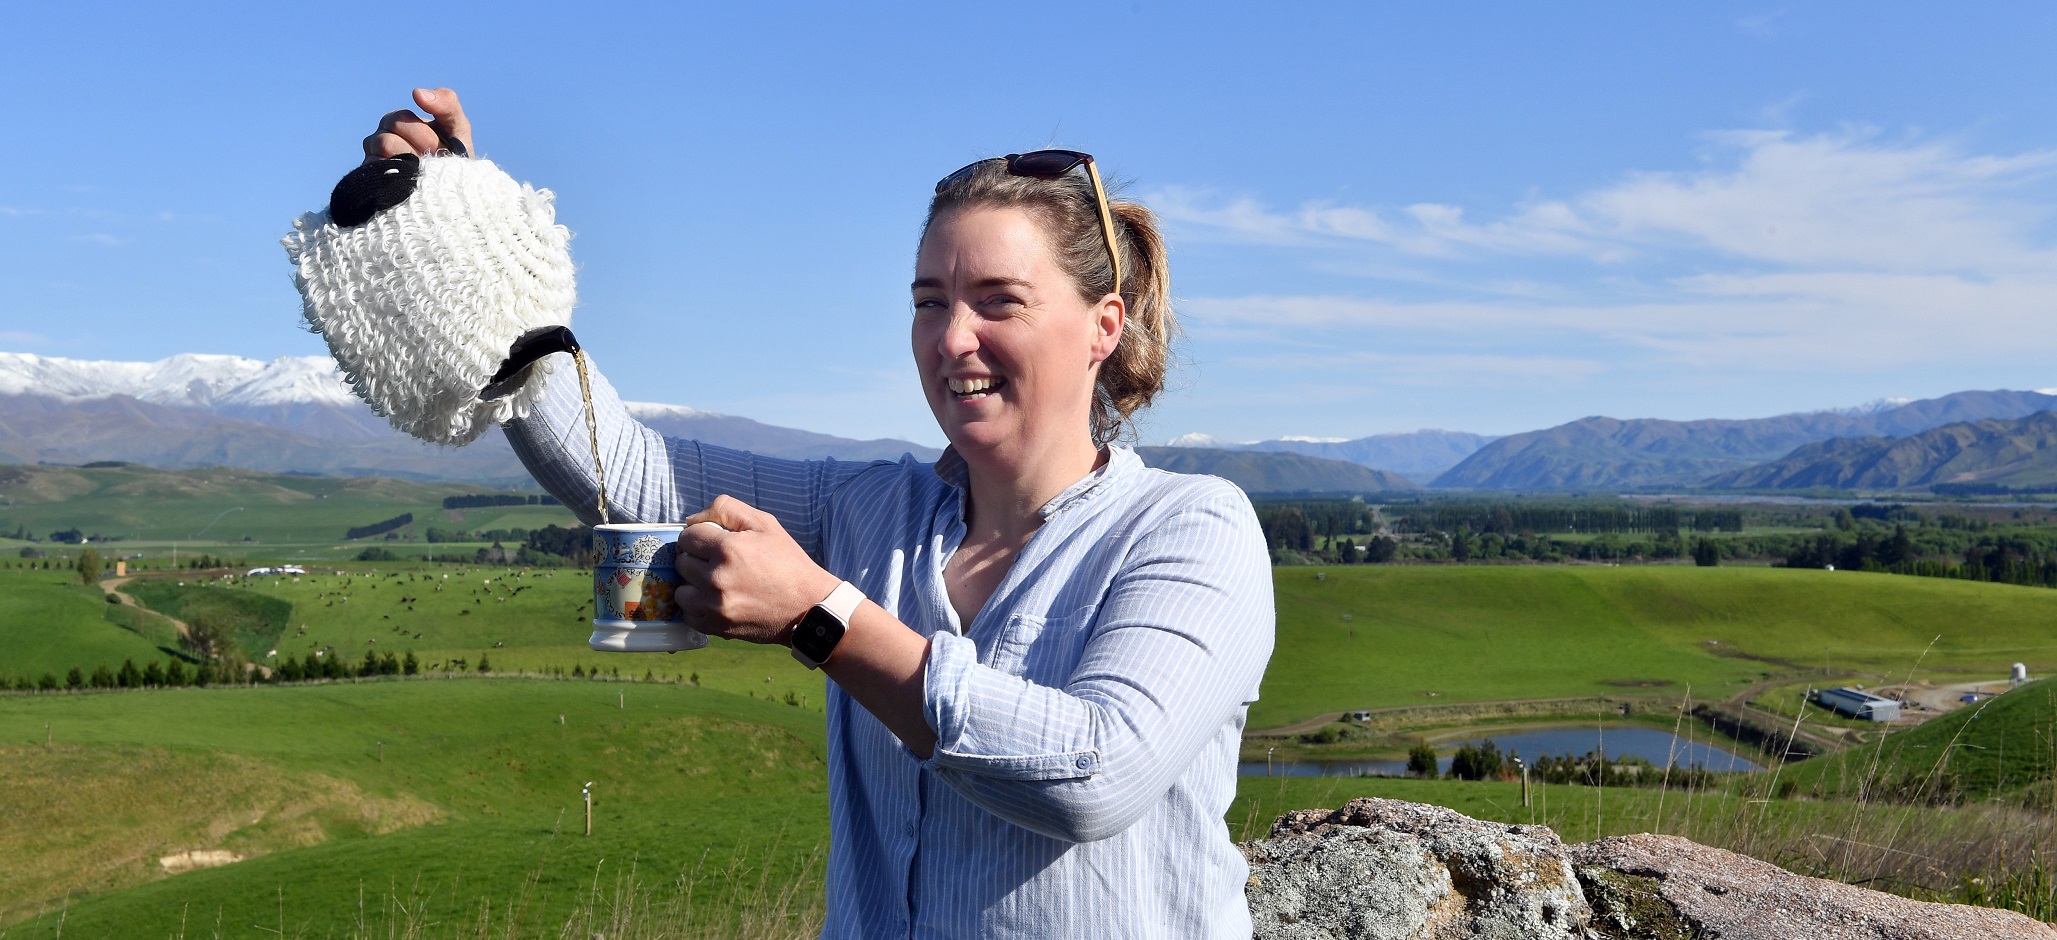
972, 388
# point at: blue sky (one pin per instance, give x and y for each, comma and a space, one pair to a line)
1477, 217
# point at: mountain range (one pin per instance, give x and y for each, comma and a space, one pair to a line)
1417, 455
1276, 473
1611, 453
294, 414
2016, 454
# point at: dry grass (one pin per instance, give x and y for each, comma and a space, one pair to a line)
80, 821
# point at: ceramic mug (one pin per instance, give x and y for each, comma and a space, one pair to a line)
633, 610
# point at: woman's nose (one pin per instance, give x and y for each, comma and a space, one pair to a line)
960, 336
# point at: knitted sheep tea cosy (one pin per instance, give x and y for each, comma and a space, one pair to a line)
439, 284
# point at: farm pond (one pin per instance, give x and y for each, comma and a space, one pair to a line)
1654, 745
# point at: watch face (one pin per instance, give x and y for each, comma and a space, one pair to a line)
817, 634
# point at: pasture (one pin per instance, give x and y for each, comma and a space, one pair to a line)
446, 792
1376, 636
49, 622
378, 807
246, 514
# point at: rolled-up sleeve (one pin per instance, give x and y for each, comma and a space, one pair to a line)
1177, 646
653, 478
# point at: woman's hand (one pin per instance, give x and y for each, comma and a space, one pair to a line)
751, 582
405, 132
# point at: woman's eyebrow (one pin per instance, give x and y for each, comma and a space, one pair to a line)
936, 283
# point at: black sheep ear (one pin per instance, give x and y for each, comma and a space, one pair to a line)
373, 188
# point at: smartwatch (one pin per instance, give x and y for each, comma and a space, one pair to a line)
816, 635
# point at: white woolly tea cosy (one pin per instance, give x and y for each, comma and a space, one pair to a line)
422, 274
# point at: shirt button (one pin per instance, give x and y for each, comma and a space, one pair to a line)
1085, 762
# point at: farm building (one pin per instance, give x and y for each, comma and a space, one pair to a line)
1857, 704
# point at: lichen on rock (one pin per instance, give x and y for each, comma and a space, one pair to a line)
1390, 870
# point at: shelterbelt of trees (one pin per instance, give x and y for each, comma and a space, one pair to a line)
2006, 544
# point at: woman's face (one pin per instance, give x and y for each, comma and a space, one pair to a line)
1006, 348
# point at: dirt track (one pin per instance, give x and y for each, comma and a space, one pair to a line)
113, 588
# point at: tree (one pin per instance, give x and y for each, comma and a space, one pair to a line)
484, 665
102, 678
75, 679
175, 674
410, 665
1899, 549
371, 664
153, 674
389, 665
1421, 759
1476, 762
289, 670
88, 566
207, 639
128, 676
1706, 554
48, 683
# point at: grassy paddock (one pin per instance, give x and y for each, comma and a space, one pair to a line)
465, 792
239, 513
49, 622
1370, 636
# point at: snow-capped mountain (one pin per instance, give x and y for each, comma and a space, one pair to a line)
1872, 407
294, 414
196, 380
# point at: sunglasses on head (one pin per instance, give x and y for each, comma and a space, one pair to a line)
1050, 165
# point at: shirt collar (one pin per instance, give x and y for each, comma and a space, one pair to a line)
1121, 462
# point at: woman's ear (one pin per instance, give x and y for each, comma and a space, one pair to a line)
1108, 319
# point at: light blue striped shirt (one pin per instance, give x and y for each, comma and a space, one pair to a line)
1087, 720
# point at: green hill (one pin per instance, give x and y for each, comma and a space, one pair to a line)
260, 515
440, 794
1371, 636
49, 622
1348, 637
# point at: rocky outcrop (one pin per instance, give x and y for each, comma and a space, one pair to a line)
1389, 870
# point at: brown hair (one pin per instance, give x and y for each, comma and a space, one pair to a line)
1134, 374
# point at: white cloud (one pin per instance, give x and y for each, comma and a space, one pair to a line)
1783, 269
1845, 200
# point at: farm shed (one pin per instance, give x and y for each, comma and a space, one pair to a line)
1856, 704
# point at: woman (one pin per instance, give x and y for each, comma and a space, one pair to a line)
1046, 651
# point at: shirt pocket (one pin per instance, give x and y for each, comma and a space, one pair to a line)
1011, 648
1043, 649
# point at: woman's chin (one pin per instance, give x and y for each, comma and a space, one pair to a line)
970, 437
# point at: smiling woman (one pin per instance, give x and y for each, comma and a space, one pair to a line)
1042, 652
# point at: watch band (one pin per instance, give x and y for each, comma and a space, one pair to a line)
816, 635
